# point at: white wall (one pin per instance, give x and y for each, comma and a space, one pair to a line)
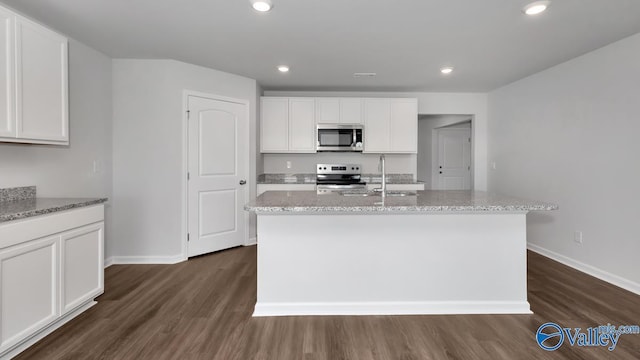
569, 135
429, 104
148, 176
426, 125
61, 171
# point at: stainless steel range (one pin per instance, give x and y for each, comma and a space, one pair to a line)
338, 177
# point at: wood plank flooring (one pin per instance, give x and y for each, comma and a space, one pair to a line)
201, 309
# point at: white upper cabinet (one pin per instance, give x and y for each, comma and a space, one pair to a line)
377, 115
34, 98
351, 111
274, 124
404, 125
287, 125
391, 125
339, 111
302, 125
327, 110
7, 90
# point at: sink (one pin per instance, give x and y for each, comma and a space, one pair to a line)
374, 193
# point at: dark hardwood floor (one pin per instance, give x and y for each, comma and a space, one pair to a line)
201, 309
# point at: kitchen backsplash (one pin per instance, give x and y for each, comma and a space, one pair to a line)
17, 193
306, 163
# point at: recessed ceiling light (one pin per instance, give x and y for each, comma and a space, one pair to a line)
446, 70
261, 5
536, 7
283, 68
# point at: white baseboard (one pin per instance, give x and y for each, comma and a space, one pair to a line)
587, 269
392, 308
252, 241
121, 260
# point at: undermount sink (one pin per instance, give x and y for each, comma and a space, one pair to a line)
377, 193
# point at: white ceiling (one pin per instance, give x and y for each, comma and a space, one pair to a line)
489, 42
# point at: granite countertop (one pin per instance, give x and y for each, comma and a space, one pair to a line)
20, 203
308, 178
425, 201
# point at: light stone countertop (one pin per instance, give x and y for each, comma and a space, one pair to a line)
20, 209
427, 201
21, 202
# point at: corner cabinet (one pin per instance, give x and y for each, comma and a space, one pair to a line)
51, 269
391, 126
287, 125
34, 95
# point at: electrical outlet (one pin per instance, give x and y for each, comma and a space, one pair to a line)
577, 237
288, 164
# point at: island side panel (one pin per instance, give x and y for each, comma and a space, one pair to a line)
352, 264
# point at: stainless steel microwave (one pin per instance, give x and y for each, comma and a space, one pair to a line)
340, 137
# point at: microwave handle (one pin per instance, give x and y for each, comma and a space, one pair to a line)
353, 142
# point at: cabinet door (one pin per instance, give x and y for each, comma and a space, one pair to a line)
351, 111
274, 124
404, 126
41, 79
29, 284
327, 110
82, 265
377, 114
7, 90
302, 125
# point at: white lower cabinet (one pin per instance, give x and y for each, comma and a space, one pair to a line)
29, 284
82, 276
51, 269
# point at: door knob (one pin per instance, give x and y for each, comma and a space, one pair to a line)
242, 182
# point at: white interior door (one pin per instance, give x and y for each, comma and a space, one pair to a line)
217, 174
453, 169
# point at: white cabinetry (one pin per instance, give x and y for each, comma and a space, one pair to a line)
82, 265
287, 125
391, 125
51, 269
285, 187
7, 91
30, 286
339, 111
34, 98
302, 125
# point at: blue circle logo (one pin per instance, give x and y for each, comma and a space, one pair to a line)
550, 336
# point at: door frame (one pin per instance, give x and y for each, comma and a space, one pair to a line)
185, 161
435, 155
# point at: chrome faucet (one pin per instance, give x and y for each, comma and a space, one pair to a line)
383, 189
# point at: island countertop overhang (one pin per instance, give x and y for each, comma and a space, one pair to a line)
427, 201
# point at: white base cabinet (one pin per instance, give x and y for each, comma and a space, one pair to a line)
50, 267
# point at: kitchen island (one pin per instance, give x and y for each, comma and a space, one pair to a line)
440, 252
